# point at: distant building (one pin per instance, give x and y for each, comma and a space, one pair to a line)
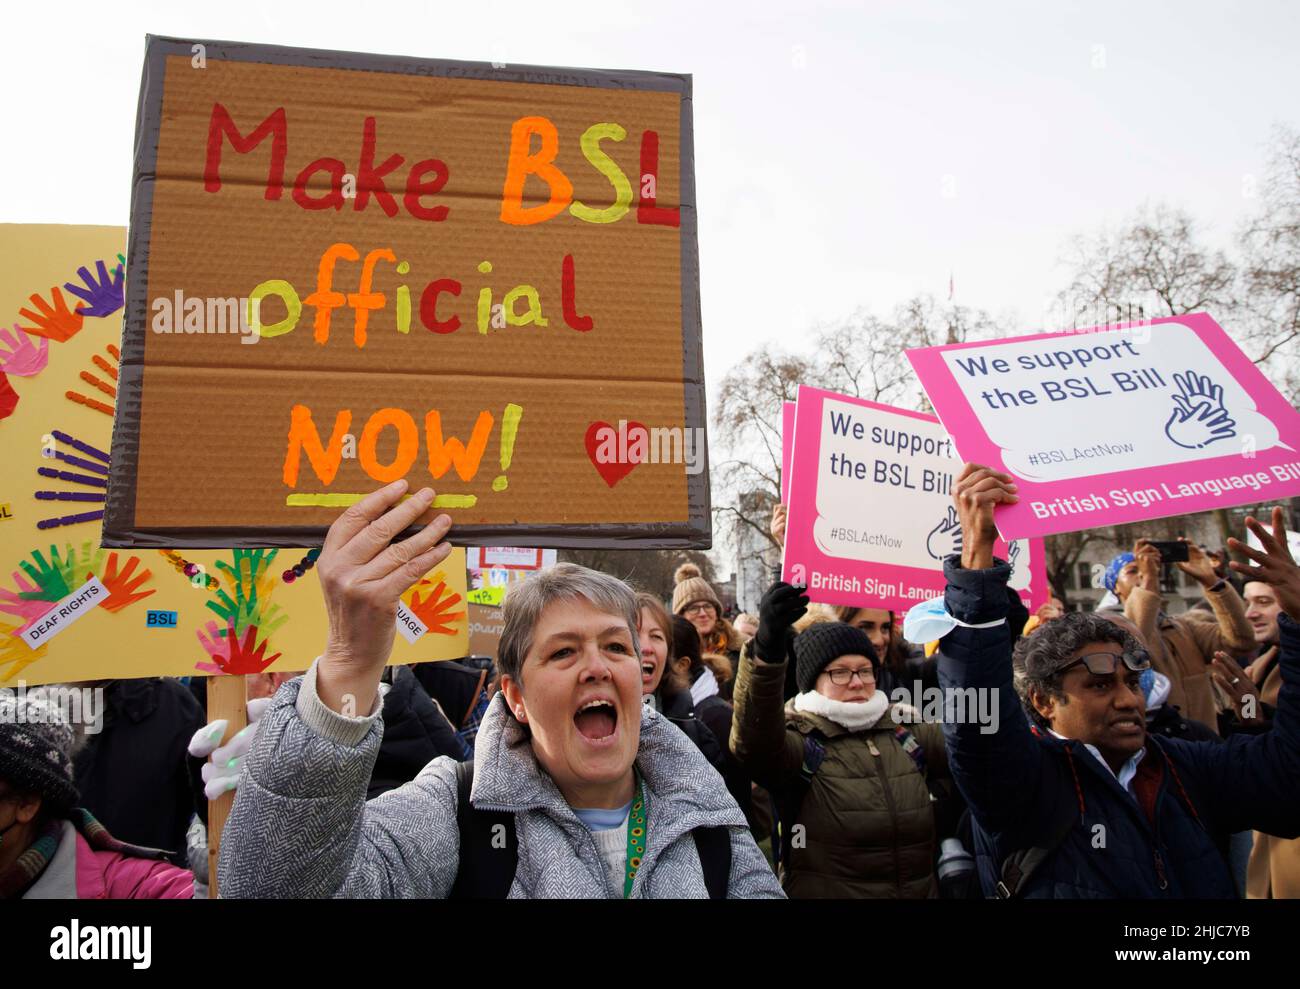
727, 594
757, 564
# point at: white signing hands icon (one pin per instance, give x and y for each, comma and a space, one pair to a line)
945, 538
1198, 418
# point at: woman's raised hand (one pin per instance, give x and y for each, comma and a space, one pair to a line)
363, 573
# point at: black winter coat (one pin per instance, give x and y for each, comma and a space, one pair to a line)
415, 733
455, 686
680, 710
716, 713
1168, 721
136, 775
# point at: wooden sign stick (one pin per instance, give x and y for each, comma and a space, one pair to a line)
227, 699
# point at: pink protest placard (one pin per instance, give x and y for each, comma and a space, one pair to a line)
871, 515
787, 448
1116, 424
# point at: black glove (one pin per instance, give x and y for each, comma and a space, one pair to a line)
780, 608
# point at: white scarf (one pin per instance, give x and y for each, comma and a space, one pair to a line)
854, 717
705, 685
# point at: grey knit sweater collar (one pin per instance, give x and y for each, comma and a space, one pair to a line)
508, 777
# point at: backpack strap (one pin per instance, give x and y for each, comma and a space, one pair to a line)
1020, 865
1023, 863
474, 699
911, 746
790, 800
714, 848
489, 847
813, 754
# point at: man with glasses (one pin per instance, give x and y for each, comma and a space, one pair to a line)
1083, 803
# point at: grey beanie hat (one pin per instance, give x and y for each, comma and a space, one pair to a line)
36, 745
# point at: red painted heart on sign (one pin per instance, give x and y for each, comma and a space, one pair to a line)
602, 434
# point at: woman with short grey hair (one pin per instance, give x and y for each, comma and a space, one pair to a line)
577, 790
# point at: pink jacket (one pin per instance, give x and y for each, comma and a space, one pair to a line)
79, 872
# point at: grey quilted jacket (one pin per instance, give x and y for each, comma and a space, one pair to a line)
301, 825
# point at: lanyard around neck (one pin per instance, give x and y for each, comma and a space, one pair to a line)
637, 830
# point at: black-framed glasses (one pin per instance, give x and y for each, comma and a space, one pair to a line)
842, 677
700, 608
1104, 664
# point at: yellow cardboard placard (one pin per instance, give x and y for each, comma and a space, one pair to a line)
155, 621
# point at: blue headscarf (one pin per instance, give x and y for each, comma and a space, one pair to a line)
1112, 571
1148, 682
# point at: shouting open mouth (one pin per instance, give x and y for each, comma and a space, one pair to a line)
597, 720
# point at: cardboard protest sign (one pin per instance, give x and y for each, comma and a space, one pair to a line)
871, 513
1116, 425
492, 569
486, 623
349, 269
70, 610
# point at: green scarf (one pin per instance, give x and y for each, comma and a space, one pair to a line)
27, 868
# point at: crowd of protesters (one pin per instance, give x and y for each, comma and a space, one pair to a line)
636, 743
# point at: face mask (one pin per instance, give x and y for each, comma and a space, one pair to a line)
929, 621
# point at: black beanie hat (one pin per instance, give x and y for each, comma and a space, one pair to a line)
819, 645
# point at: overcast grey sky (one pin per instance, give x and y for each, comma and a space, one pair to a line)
854, 153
